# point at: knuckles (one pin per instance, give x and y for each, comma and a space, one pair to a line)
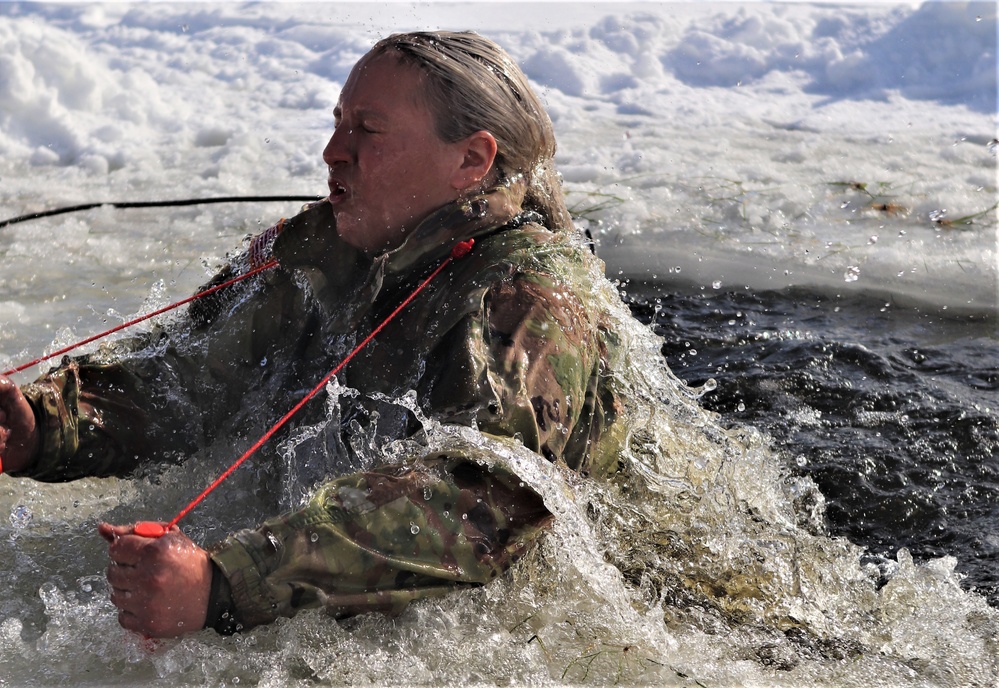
148, 579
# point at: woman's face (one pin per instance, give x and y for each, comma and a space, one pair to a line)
387, 168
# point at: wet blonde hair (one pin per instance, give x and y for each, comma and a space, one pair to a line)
472, 85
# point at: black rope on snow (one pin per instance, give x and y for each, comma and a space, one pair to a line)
154, 204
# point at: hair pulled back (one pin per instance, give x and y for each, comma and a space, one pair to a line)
472, 85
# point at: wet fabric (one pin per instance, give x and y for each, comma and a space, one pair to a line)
509, 340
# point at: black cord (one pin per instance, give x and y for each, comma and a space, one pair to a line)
155, 204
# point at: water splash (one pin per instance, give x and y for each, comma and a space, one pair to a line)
21, 517
701, 563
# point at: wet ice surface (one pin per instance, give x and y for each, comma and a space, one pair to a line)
721, 152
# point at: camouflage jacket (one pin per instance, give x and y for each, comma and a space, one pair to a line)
506, 340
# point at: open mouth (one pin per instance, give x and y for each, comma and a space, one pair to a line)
337, 189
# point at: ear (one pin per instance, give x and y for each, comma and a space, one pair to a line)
478, 154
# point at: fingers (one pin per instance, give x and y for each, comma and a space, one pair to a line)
129, 621
123, 599
4, 430
129, 612
121, 578
106, 531
128, 550
8, 391
135, 623
124, 547
160, 585
19, 438
128, 579
125, 592
111, 532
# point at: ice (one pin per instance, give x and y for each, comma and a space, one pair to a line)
729, 146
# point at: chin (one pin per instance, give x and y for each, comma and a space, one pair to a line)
352, 235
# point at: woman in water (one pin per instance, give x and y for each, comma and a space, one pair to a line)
438, 139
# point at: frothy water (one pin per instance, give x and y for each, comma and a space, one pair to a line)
744, 149
706, 564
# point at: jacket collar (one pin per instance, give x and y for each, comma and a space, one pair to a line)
339, 272
466, 218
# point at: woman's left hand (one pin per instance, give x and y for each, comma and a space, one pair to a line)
159, 585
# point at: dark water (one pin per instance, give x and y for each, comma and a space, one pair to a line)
893, 412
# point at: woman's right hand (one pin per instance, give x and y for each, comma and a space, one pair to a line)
18, 433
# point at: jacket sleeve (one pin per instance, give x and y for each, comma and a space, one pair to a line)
379, 539
98, 419
520, 368
161, 395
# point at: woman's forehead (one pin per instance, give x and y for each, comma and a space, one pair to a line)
381, 82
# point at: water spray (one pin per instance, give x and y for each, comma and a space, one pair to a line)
156, 529
201, 294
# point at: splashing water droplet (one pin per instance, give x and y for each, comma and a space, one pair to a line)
716, 284
314, 537
413, 528
20, 516
852, 273
710, 385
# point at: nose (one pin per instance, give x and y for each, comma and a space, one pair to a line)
338, 148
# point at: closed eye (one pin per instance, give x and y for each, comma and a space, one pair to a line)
361, 121
367, 129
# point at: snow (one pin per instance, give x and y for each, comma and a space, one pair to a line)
731, 145
749, 145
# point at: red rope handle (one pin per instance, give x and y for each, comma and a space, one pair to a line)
153, 529
266, 266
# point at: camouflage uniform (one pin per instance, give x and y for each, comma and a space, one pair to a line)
507, 339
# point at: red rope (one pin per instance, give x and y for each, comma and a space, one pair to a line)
266, 266
154, 529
